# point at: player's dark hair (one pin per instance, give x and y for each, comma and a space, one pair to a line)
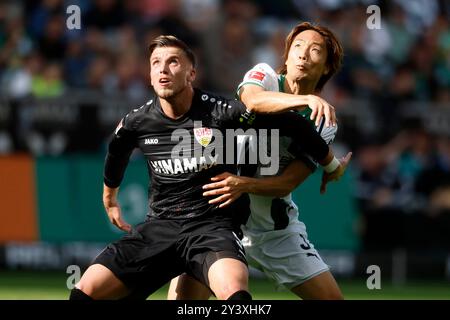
335, 52
172, 41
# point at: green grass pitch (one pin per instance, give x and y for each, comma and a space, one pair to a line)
18, 285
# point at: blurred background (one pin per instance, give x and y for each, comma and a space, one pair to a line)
63, 92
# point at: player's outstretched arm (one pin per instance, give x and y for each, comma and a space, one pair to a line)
227, 187
280, 186
259, 100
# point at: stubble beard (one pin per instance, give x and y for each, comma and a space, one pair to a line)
168, 94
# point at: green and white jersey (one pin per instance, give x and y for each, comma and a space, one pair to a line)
270, 213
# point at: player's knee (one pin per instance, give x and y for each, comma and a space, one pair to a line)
84, 287
331, 295
336, 295
77, 294
225, 292
240, 295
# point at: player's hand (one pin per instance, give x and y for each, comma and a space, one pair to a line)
336, 174
321, 108
228, 187
115, 216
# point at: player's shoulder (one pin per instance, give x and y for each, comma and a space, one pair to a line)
265, 68
135, 116
261, 71
214, 101
262, 75
221, 108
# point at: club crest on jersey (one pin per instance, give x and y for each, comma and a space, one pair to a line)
203, 135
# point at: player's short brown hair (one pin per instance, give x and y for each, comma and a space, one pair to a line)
335, 52
172, 41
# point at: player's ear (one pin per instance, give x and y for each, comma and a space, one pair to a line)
191, 75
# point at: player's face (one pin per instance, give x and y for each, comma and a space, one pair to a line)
307, 57
170, 71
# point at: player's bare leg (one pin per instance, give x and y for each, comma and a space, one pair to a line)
320, 287
98, 282
228, 276
185, 287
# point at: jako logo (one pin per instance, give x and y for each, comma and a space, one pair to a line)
151, 141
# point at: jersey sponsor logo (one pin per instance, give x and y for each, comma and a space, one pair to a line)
183, 165
256, 75
203, 135
151, 141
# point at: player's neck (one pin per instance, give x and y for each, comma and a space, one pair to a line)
175, 107
299, 87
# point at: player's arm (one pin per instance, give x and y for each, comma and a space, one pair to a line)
116, 162
227, 187
304, 135
258, 100
112, 208
335, 175
289, 124
280, 186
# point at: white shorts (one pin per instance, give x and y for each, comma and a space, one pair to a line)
287, 258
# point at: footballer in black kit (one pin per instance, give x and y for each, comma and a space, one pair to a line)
189, 226
176, 182
176, 204
183, 232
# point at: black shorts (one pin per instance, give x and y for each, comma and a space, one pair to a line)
158, 250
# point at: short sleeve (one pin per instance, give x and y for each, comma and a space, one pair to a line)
122, 143
262, 75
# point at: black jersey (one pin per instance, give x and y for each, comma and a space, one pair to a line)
177, 177
177, 156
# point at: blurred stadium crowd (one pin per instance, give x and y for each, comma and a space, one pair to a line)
392, 95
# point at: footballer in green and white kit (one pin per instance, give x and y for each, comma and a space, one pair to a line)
275, 240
